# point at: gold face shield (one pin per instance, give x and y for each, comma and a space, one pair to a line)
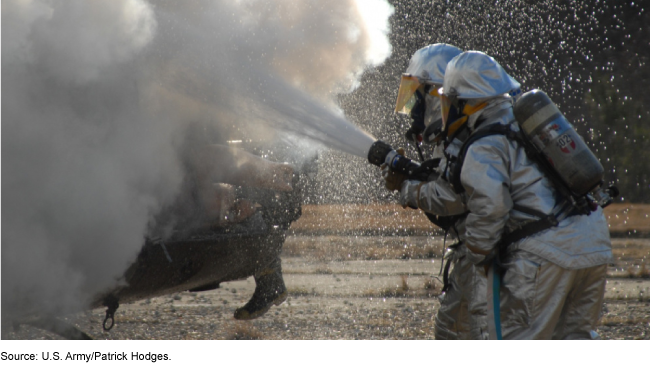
455, 112
406, 98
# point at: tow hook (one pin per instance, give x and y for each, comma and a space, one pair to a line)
112, 304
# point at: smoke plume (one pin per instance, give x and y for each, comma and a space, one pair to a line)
100, 97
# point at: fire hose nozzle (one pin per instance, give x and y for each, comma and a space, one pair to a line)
378, 153
382, 153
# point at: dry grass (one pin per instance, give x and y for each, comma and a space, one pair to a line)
341, 248
432, 285
403, 290
641, 273
629, 218
630, 251
618, 320
323, 271
392, 219
376, 219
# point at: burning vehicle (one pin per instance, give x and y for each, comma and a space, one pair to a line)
222, 227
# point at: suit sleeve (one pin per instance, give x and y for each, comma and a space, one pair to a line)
439, 198
485, 176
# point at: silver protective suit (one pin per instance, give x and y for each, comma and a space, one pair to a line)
463, 308
554, 280
459, 317
496, 175
545, 292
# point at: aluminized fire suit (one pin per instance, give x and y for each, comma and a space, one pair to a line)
554, 280
462, 313
463, 307
565, 265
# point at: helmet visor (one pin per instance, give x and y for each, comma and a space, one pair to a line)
406, 99
447, 103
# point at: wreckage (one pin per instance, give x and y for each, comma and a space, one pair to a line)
236, 232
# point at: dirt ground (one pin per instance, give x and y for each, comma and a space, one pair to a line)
346, 287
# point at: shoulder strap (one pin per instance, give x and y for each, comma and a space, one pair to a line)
544, 222
502, 129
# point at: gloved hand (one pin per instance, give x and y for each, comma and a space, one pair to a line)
408, 195
392, 180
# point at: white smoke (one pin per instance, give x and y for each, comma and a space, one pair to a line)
97, 98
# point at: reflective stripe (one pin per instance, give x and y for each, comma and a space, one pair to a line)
539, 117
456, 125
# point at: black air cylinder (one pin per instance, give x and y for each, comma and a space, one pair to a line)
554, 137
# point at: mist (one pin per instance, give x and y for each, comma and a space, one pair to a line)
99, 99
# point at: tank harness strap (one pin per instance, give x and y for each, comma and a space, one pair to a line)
449, 224
544, 222
445, 277
494, 129
529, 229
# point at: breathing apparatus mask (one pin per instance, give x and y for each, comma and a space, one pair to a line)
456, 112
418, 111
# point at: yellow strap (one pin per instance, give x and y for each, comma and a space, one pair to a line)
469, 110
457, 124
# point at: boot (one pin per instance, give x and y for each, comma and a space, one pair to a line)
269, 291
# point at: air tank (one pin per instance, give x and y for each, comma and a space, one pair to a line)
558, 142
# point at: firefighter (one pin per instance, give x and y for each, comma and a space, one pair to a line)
462, 313
545, 258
